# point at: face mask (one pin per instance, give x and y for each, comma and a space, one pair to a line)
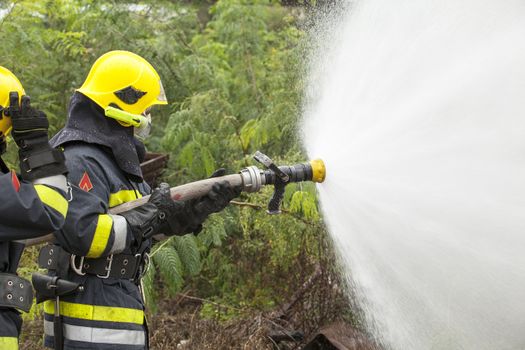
143, 130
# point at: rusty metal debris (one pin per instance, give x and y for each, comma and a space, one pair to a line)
153, 166
340, 336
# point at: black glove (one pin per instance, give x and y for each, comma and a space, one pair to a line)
37, 158
175, 215
3, 167
187, 216
160, 215
214, 201
144, 221
218, 173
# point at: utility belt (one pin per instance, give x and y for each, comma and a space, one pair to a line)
120, 266
54, 258
15, 292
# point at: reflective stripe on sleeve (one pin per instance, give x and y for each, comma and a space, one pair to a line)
96, 312
57, 181
9, 343
52, 199
120, 228
98, 335
101, 236
123, 196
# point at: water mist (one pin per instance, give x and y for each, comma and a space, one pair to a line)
418, 110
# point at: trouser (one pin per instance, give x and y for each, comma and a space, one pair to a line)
89, 321
15, 292
10, 326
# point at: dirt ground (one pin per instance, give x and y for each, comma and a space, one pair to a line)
318, 300
178, 325
183, 329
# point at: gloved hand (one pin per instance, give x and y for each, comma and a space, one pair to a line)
218, 173
187, 216
175, 215
3, 167
37, 158
214, 201
160, 215
3, 144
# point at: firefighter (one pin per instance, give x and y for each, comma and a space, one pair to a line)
105, 254
32, 203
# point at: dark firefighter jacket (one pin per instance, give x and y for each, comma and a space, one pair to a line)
109, 313
27, 210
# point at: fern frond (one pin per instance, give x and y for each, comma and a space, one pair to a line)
189, 254
214, 231
168, 263
304, 203
148, 288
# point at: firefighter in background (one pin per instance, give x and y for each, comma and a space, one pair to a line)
32, 204
106, 253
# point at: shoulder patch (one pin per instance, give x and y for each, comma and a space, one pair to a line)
85, 182
15, 181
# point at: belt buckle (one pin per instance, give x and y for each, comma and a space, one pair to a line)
109, 262
142, 267
77, 269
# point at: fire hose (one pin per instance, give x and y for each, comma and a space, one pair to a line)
250, 179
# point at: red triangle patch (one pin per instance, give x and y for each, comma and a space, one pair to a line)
85, 182
15, 181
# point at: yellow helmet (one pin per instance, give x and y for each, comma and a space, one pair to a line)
125, 80
8, 83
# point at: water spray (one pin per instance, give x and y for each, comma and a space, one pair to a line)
250, 179
417, 107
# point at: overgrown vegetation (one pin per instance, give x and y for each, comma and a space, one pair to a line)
234, 73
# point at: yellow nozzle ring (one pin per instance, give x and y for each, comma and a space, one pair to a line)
318, 170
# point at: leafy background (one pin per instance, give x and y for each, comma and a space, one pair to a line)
234, 73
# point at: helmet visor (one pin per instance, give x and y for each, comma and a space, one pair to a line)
162, 94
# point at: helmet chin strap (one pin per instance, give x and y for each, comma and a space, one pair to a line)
142, 124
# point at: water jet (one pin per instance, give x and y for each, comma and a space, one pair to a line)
417, 109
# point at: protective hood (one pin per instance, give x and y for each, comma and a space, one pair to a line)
86, 122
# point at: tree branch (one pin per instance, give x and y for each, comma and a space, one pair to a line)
8, 13
284, 211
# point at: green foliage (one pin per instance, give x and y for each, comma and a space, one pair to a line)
303, 201
244, 75
150, 293
189, 254
169, 264
244, 89
214, 232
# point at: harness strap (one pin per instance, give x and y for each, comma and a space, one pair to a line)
15, 292
46, 162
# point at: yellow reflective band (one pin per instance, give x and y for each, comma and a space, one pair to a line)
123, 197
96, 312
101, 237
52, 199
8, 343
